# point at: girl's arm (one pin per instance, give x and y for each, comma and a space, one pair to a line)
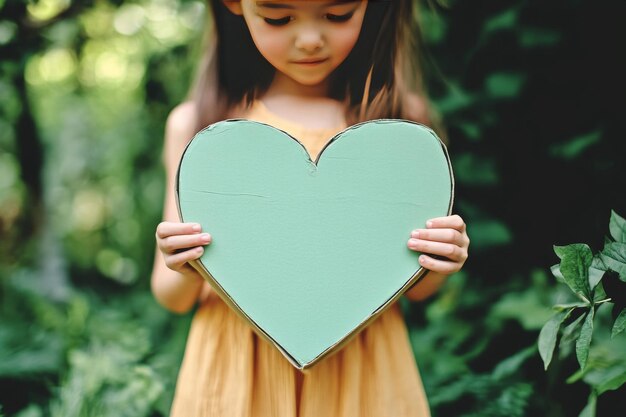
426, 286
175, 284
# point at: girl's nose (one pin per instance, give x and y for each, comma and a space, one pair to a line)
309, 40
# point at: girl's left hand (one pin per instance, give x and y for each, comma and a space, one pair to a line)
445, 237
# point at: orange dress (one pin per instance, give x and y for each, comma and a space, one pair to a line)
229, 371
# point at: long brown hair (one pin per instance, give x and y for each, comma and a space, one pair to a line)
375, 81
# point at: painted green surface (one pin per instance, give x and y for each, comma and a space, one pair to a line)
309, 250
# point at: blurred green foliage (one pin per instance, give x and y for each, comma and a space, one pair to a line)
530, 95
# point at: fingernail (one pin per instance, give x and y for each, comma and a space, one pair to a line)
429, 224
205, 237
415, 234
413, 243
196, 227
422, 259
199, 249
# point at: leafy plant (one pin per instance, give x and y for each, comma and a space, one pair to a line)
596, 280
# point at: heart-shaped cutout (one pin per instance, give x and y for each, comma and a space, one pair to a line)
310, 252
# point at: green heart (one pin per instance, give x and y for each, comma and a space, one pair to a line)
310, 252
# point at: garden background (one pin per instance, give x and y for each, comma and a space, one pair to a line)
532, 94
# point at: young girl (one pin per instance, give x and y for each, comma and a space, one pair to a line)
311, 68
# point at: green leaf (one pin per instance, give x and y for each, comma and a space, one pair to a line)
620, 323
533, 37
557, 273
489, 233
471, 130
595, 275
505, 84
617, 227
456, 99
502, 21
437, 26
597, 261
525, 307
476, 170
576, 146
567, 306
571, 329
605, 366
584, 339
612, 384
548, 335
590, 408
511, 364
614, 257
31, 411
576, 376
575, 262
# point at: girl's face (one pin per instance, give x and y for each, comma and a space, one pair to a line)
305, 40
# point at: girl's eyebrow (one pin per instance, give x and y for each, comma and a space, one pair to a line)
273, 5
269, 5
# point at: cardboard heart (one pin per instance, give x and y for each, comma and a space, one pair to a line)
310, 252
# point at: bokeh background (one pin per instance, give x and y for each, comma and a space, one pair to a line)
532, 94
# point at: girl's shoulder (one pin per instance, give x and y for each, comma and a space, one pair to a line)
182, 120
180, 128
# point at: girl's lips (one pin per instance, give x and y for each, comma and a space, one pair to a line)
310, 61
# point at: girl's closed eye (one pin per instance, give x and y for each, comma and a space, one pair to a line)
335, 18
339, 18
277, 22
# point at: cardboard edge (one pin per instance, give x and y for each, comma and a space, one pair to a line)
201, 268
417, 276
215, 285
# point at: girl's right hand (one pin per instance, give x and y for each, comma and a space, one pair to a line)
180, 243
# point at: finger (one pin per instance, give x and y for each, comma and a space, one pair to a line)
455, 222
441, 266
440, 235
175, 243
165, 229
176, 261
448, 250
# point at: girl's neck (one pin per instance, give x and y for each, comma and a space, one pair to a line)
285, 86
306, 105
